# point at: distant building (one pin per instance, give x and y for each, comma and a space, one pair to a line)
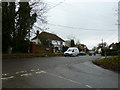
68, 43
82, 47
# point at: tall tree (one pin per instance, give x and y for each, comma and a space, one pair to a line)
24, 23
72, 43
8, 15
18, 20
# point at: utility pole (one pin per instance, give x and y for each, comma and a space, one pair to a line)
103, 48
102, 43
119, 21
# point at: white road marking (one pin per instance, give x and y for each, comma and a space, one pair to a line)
17, 72
6, 78
21, 72
11, 77
68, 79
32, 70
39, 72
64, 78
4, 74
88, 86
27, 74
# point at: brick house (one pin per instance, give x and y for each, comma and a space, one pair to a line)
52, 42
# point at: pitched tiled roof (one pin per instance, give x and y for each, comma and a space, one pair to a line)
47, 35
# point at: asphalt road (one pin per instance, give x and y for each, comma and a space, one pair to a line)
57, 72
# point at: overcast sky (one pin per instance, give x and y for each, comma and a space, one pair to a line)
87, 21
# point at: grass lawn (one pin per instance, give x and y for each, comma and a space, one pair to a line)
112, 63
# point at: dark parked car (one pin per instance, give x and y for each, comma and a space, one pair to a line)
92, 53
82, 53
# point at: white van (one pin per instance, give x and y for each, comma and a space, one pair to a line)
72, 51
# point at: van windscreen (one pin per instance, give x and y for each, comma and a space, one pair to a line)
70, 50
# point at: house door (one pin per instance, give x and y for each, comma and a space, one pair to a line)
32, 47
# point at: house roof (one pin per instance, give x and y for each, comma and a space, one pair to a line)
48, 36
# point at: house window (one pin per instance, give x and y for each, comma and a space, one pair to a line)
61, 43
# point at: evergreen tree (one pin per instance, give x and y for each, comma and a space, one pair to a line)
17, 21
72, 43
24, 23
8, 15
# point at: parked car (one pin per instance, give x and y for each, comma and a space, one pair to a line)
82, 53
92, 53
72, 51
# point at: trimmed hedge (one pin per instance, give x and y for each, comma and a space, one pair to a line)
112, 52
29, 55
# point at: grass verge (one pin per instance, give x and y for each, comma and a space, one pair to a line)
29, 55
112, 63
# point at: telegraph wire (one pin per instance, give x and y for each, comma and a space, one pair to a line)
55, 5
113, 35
80, 28
50, 9
75, 27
